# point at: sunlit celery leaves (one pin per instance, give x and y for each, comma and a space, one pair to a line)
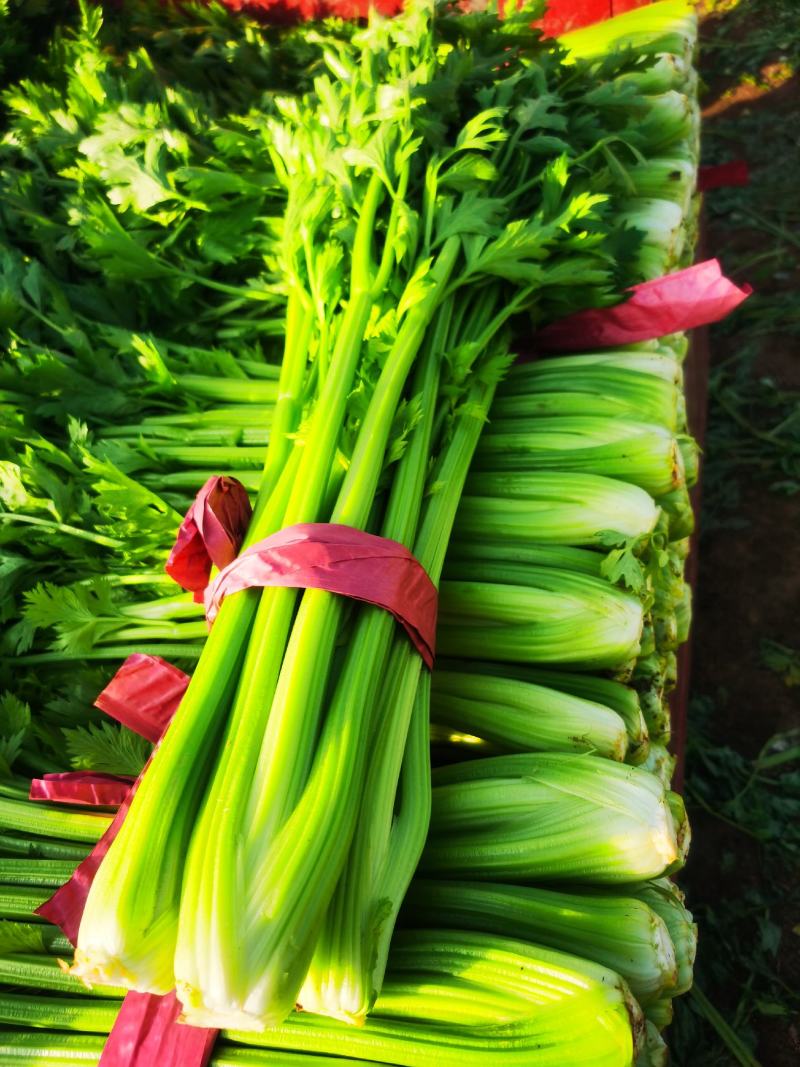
21, 937
15, 724
79, 615
105, 747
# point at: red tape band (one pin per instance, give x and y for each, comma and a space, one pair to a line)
82, 787
723, 175
147, 1033
144, 695
696, 296
343, 560
211, 533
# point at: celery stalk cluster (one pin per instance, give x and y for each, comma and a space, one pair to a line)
431, 186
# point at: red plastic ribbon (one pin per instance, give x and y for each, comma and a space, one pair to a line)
211, 533
290, 11
339, 559
676, 302
82, 787
65, 908
144, 694
146, 1033
723, 175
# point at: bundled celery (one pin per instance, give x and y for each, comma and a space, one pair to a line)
451, 998
549, 817
278, 828
517, 716
621, 932
405, 304
528, 614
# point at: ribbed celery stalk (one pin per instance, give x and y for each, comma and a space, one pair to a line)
552, 508
620, 932
540, 615
645, 455
604, 692
666, 900
590, 388
548, 816
451, 998
520, 717
654, 29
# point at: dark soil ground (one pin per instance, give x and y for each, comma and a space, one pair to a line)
742, 776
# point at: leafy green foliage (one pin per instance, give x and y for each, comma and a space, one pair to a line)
105, 747
20, 937
783, 660
759, 800
15, 722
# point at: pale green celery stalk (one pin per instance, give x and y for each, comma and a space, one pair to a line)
189, 480
464, 558
552, 508
111, 653
664, 897
202, 437
612, 390
660, 762
556, 617
661, 222
622, 933
660, 1012
669, 121
39, 937
348, 969
129, 924
656, 711
551, 817
678, 506
683, 614
21, 902
521, 717
467, 1000
88, 1015
666, 72
209, 455
327, 987
253, 416
230, 390
655, 1052
28, 971
42, 848
453, 999
21, 816
644, 455
667, 27
603, 691
62, 1050
672, 178
43, 872
319, 795
523, 377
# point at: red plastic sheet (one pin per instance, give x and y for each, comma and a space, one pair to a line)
676, 302
146, 1033
341, 560
303, 10
144, 694
211, 533
82, 788
723, 175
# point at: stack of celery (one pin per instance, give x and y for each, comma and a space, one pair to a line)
318, 296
